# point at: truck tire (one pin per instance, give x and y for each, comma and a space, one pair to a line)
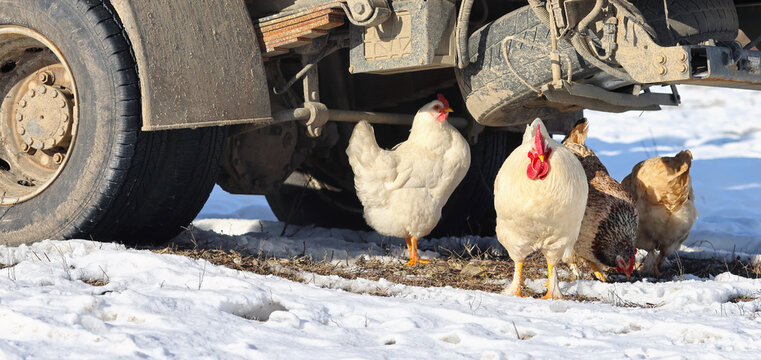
690, 21
499, 94
469, 210
73, 160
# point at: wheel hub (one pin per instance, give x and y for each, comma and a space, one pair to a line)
38, 114
44, 117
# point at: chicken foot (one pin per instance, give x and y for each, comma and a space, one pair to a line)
598, 274
553, 290
515, 286
412, 248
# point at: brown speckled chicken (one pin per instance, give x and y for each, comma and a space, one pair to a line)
609, 229
662, 189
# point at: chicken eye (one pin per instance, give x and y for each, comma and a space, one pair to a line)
437, 107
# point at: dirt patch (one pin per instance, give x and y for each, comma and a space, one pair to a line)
470, 272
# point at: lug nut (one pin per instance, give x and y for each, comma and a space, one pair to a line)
31, 93
46, 78
662, 70
684, 68
25, 147
58, 158
19, 117
660, 58
22, 103
21, 130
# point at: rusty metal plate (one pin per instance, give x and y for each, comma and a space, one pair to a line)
199, 62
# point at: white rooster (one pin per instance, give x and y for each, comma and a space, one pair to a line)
540, 195
404, 189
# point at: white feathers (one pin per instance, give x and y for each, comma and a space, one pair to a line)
540, 214
403, 190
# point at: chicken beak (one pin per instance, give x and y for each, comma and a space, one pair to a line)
541, 158
448, 110
628, 276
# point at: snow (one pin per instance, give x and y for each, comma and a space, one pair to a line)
162, 306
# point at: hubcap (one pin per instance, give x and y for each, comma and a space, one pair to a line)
38, 114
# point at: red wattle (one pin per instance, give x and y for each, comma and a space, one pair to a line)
442, 117
538, 169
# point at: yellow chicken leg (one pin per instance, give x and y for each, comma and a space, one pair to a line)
412, 248
598, 274
515, 286
552, 279
549, 269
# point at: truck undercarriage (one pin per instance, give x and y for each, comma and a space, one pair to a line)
164, 98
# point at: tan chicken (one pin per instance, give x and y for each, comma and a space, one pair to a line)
404, 189
662, 189
609, 229
540, 195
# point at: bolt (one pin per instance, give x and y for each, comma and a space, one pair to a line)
63, 104
46, 78
684, 68
43, 89
20, 130
25, 147
22, 103
45, 161
54, 94
61, 132
683, 57
58, 158
359, 9
19, 117
351, 69
660, 58
662, 70
31, 93
36, 144
49, 143
65, 118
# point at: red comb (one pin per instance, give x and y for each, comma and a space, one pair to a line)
443, 100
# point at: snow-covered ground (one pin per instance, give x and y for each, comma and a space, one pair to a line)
167, 306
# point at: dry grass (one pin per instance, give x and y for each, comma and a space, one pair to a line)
95, 282
470, 271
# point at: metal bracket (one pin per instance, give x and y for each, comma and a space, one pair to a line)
318, 112
367, 13
596, 98
318, 117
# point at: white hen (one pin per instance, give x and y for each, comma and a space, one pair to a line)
404, 189
540, 200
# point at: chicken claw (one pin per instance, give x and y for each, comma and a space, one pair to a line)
598, 274
412, 248
552, 279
